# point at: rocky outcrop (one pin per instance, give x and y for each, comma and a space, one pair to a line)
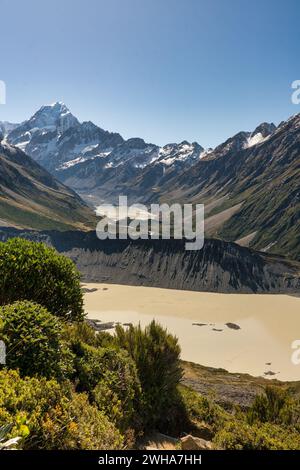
195, 443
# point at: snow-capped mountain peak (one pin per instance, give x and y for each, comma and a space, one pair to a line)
39, 135
182, 152
53, 116
260, 134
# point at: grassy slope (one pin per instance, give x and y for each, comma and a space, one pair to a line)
30, 197
253, 190
229, 389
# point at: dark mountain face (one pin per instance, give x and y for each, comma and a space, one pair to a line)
242, 140
265, 129
251, 195
219, 267
32, 197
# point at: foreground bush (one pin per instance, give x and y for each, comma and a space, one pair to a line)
51, 416
200, 409
238, 435
275, 406
33, 271
110, 376
33, 341
78, 333
157, 357
77, 424
233, 431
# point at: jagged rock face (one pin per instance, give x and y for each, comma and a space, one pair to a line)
57, 140
265, 129
134, 152
73, 150
53, 136
180, 153
218, 267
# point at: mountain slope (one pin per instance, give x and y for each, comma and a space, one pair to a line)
128, 171
252, 194
91, 160
249, 184
31, 197
7, 127
159, 179
219, 267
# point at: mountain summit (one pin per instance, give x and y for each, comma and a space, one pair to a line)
53, 115
55, 138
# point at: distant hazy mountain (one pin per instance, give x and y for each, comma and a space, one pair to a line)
168, 172
31, 197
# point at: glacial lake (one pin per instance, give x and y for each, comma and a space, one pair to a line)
247, 333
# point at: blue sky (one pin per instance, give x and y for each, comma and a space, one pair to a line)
164, 70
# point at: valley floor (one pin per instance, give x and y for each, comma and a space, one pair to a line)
246, 333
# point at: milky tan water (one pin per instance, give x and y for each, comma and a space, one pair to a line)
268, 324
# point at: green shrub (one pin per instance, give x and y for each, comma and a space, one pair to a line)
275, 406
76, 424
77, 333
110, 376
89, 366
118, 393
33, 271
33, 340
51, 416
238, 435
108, 401
201, 409
156, 354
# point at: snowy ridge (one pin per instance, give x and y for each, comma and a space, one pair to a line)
255, 139
176, 153
58, 141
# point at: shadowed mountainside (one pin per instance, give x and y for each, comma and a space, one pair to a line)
219, 267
